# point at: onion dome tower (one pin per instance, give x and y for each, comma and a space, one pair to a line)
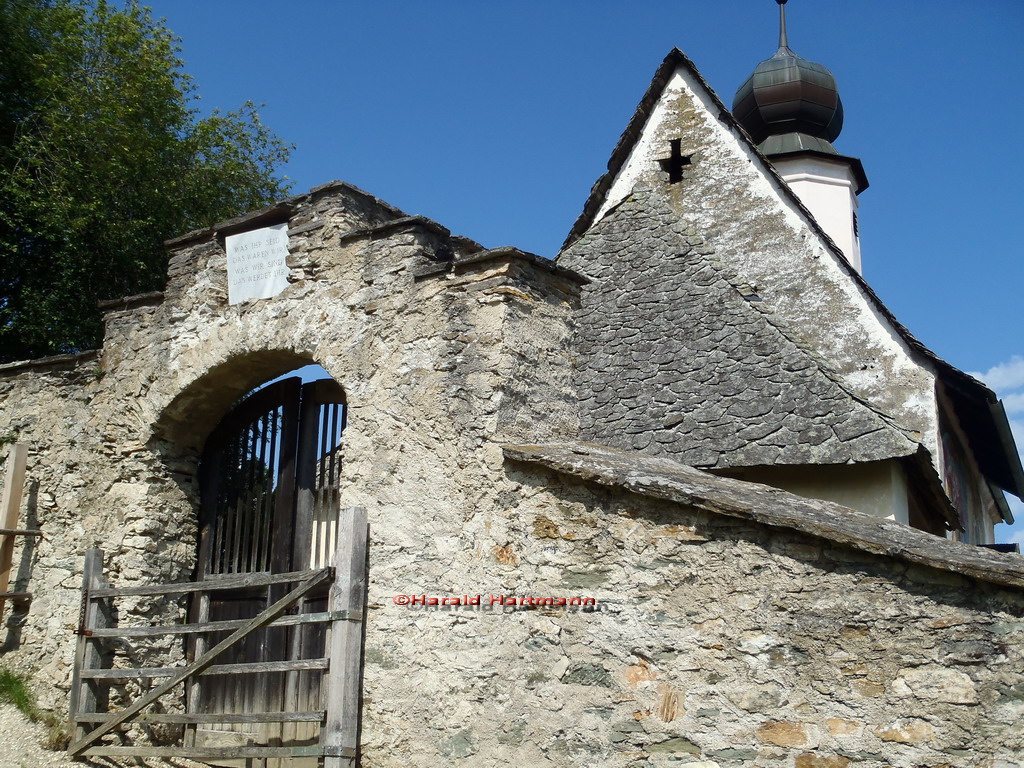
791, 108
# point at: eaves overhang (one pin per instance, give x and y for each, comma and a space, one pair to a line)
854, 164
983, 419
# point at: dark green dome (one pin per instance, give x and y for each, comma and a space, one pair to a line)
792, 97
788, 94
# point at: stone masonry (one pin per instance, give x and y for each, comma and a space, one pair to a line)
734, 625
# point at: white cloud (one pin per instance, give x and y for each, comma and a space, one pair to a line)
1014, 403
1007, 375
1003, 378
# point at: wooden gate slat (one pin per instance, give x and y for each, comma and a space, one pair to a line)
87, 655
205, 752
210, 583
201, 663
214, 626
243, 668
311, 716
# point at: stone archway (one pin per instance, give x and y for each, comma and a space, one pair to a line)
269, 479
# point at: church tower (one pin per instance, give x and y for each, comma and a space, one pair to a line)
791, 108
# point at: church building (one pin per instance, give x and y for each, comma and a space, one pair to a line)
687, 495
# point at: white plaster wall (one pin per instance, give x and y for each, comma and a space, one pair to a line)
878, 488
828, 189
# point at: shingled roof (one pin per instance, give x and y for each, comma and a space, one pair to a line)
978, 408
678, 359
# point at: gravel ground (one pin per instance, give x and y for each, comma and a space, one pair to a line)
19, 743
19, 748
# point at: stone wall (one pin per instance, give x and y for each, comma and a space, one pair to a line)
718, 641
435, 341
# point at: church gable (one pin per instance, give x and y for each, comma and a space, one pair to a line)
683, 141
677, 360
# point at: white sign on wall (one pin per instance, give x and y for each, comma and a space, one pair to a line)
257, 267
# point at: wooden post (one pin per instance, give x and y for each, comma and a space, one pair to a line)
340, 735
10, 507
200, 644
88, 654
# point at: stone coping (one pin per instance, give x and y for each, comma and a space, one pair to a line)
130, 302
50, 362
672, 481
281, 207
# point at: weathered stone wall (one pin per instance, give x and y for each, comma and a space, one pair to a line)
91, 482
435, 341
718, 642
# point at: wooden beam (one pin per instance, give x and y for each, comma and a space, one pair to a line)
88, 656
206, 752
211, 584
19, 532
204, 661
248, 668
10, 508
215, 626
199, 612
315, 716
340, 734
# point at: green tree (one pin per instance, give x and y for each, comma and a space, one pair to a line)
102, 158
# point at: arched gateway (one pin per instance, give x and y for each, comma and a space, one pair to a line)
278, 591
269, 480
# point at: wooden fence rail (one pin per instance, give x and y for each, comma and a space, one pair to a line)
338, 719
10, 507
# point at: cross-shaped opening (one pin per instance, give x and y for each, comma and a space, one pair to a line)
674, 164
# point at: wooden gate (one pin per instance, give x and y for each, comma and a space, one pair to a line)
100, 661
269, 490
287, 642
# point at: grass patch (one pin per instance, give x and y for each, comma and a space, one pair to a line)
14, 690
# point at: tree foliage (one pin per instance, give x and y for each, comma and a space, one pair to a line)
102, 158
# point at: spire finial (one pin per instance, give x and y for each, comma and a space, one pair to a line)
783, 41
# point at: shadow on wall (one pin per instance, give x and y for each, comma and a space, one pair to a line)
193, 413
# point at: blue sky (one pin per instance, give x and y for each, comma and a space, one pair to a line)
495, 118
